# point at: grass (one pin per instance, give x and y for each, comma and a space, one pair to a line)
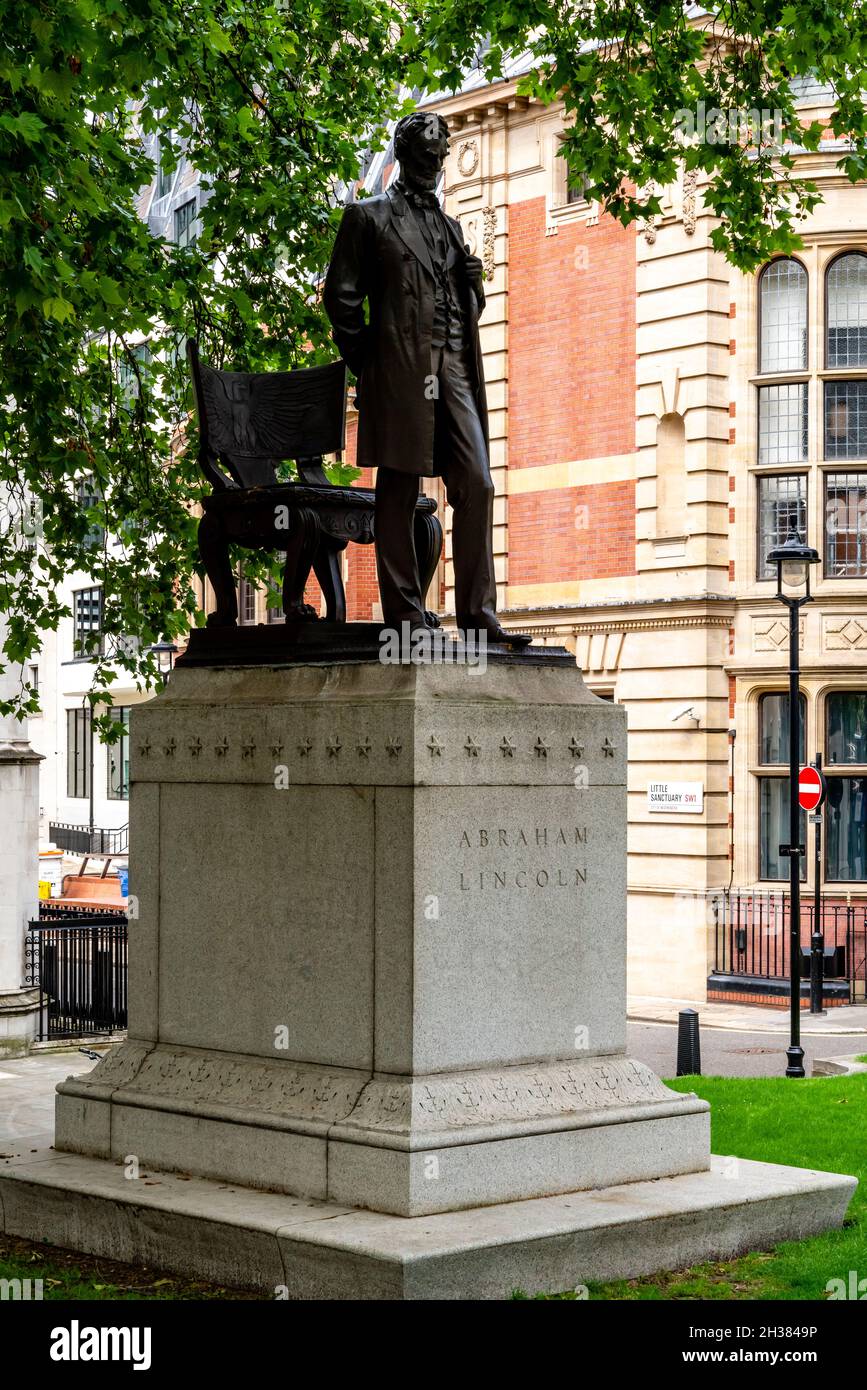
816, 1123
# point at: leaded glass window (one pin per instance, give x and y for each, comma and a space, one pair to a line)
846, 716
847, 312
783, 423
783, 308
782, 513
845, 419
846, 525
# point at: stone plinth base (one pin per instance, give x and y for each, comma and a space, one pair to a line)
19, 1021
295, 1248
411, 1147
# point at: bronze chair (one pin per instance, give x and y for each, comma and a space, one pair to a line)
248, 423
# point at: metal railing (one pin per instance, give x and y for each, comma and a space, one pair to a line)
81, 839
80, 965
751, 937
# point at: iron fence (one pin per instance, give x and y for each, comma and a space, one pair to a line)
80, 966
84, 839
752, 940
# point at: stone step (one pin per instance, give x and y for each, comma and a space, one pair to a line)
290, 1247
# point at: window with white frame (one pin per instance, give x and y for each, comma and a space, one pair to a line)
186, 226
87, 622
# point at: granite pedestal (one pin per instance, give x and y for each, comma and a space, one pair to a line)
379, 952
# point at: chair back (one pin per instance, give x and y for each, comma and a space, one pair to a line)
251, 421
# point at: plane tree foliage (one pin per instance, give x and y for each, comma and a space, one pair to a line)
276, 103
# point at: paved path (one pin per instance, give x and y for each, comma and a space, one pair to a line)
27, 1099
751, 1017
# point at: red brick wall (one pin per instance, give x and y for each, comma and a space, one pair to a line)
572, 533
571, 339
361, 587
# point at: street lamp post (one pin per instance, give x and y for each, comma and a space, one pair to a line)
165, 653
793, 561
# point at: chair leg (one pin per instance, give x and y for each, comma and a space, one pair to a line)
428, 537
326, 566
300, 550
214, 550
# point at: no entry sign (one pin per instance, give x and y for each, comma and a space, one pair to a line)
811, 788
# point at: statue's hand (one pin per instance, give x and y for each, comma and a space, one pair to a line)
475, 273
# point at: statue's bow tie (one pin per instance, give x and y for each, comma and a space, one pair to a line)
427, 201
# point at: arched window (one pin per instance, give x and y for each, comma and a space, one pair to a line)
846, 343
783, 317
773, 753
846, 713
846, 811
783, 348
774, 729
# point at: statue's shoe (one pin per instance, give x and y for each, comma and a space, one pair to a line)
499, 635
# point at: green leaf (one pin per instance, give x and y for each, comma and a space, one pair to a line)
57, 308
27, 125
218, 39
109, 290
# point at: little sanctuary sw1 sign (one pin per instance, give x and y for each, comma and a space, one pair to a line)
686, 798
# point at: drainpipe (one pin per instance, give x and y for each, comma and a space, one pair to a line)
733, 733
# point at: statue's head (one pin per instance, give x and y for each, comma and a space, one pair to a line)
421, 143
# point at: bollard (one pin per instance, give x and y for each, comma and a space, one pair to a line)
688, 1045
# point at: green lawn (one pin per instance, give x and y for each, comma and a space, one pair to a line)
817, 1123
814, 1123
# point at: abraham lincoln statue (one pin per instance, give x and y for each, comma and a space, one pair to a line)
421, 388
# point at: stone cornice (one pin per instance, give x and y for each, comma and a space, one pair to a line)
628, 616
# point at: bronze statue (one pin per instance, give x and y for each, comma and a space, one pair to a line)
421, 388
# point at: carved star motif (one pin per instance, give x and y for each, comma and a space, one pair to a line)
304, 746
169, 747
576, 748
472, 747
195, 746
608, 747
248, 748
333, 745
540, 747
222, 748
393, 746
277, 749
436, 748
363, 747
145, 748
507, 746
